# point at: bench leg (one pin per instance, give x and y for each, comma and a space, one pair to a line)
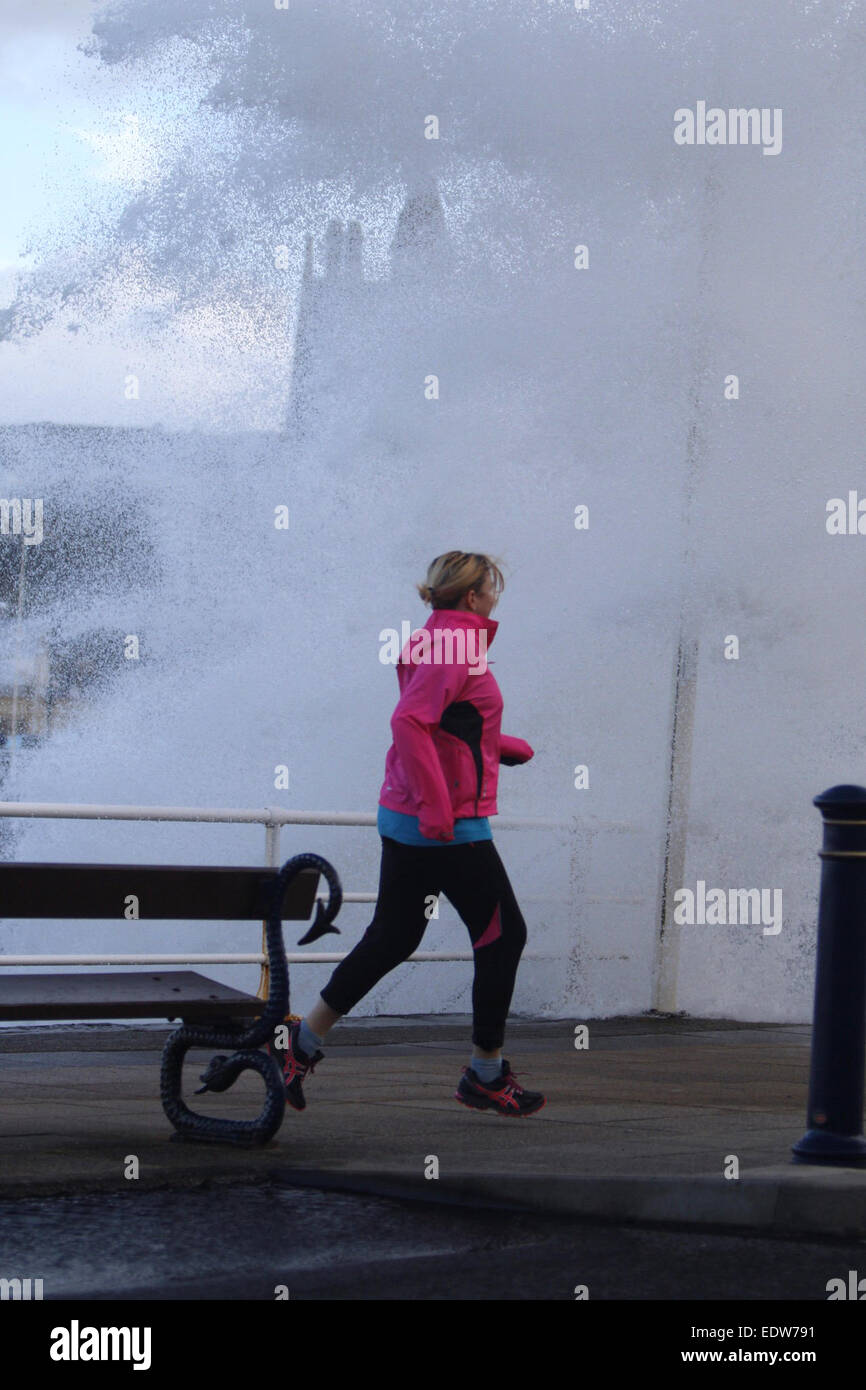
224, 1071
221, 1073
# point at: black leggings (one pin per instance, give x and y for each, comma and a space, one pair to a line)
473, 878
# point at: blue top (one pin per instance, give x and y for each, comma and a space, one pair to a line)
398, 826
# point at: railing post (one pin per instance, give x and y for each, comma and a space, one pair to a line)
835, 1111
272, 859
272, 844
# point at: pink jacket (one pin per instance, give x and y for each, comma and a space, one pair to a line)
444, 760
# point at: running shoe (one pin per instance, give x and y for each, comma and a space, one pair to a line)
295, 1064
503, 1095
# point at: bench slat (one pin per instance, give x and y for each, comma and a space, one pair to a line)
164, 892
168, 994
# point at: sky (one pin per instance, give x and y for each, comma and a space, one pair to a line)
50, 98
545, 135
77, 133
81, 136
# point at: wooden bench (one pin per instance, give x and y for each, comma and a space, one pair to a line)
211, 1014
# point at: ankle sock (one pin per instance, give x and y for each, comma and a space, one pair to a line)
308, 1041
487, 1068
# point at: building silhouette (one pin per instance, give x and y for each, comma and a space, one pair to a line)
347, 325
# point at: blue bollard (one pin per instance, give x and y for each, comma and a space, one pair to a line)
835, 1112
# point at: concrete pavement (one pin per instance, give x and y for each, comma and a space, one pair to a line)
640, 1126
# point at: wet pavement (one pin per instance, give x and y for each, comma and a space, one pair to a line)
642, 1127
267, 1242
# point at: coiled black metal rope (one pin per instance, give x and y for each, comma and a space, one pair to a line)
223, 1071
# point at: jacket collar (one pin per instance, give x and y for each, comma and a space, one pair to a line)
457, 617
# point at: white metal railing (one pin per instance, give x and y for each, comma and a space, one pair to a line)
272, 818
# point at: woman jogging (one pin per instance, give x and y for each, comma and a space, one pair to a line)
441, 774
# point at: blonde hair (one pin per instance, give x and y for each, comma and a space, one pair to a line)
452, 575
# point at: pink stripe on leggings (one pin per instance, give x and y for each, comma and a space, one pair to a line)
492, 931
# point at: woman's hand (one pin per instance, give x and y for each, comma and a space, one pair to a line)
513, 751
